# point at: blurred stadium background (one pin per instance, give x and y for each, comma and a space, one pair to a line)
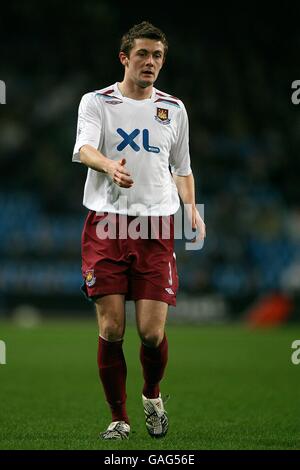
233, 69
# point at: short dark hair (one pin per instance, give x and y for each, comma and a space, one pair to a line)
142, 30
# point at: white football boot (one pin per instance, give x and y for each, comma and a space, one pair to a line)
117, 430
157, 422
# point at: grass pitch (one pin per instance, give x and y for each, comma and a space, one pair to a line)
231, 388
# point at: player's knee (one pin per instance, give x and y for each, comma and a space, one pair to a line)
152, 338
111, 331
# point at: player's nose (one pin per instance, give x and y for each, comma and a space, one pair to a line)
149, 60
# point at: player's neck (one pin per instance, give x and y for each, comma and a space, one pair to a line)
135, 92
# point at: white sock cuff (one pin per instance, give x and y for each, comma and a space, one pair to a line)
109, 341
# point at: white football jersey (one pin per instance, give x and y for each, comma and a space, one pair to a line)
152, 134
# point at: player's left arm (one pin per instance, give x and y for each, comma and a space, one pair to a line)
182, 173
186, 190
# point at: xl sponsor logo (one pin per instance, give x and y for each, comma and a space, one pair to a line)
129, 139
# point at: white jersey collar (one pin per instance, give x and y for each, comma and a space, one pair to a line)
118, 93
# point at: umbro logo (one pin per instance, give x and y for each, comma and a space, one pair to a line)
113, 102
169, 290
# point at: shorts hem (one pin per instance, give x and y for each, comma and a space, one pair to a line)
148, 297
148, 290
92, 296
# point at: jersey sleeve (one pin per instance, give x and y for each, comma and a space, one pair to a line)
180, 161
88, 125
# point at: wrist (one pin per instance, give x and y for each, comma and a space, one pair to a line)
107, 164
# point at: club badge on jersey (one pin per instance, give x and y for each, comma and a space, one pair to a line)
162, 116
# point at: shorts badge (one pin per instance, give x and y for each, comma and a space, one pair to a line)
90, 279
162, 116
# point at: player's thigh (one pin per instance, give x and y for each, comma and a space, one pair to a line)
111, 316
104, 261
151, 316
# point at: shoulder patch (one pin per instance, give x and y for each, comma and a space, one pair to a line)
168, 101
110, 99
165, 95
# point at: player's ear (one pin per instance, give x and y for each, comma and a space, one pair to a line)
123, 58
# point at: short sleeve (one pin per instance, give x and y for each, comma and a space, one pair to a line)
180, 161
88, 125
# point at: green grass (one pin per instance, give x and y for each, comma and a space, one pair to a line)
231, 388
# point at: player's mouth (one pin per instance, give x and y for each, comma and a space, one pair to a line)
148, 73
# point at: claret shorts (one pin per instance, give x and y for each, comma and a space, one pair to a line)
133, 256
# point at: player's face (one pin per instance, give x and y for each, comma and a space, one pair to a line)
145, 61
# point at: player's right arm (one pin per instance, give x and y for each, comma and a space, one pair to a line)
89, 131
95, 160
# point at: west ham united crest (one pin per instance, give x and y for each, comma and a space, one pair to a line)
162, 115
90, 279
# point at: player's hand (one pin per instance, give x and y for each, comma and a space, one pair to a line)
119, 174
196, 222
198, 225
